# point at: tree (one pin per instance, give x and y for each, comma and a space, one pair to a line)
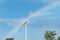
58, 38
50, 35
9, 38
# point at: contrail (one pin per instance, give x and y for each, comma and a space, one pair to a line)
29, 17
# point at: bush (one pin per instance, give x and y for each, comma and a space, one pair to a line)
9, 38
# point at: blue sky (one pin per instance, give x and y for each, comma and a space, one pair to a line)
47, 19
14, 12
18, 8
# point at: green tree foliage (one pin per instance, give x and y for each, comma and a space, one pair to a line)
9, 38
50, 35
58, 38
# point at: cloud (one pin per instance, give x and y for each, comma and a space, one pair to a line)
10, 24
8, 21
52, 24
16, 23
45, 14
20, 21
42, 11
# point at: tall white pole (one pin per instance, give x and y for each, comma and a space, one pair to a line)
26, 32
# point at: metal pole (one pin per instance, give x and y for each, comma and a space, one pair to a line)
26, 32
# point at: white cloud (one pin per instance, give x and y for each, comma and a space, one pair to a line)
11, 22
45, 14
20, 21
40, 11
16, 23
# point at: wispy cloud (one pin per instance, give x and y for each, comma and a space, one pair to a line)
20, 21
9, 21
40, 11
15, 23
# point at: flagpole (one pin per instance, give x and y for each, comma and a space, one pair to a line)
26, 32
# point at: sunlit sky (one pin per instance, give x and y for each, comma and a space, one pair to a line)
14, 12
